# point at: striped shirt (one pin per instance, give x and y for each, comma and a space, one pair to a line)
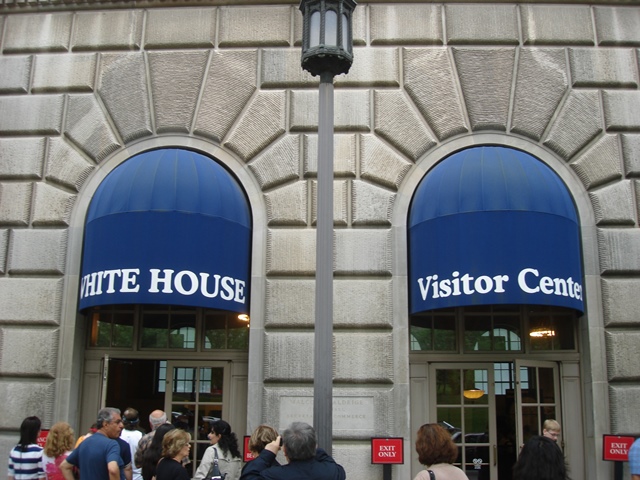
26, 465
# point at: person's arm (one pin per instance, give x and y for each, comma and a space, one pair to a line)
635, 477
256, 468
205, 464
324, 457
10, 475
42, 475
67, 470
142, 446
114, 470
126, 459
114, 460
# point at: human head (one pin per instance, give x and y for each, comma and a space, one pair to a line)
434, 445
157, 418
222, 436
551, 429
110, 422
260, 437
61, 439
220, 427
299, 441
174, 441
130, 418
29, 430
218, 430
158, 437
540, 458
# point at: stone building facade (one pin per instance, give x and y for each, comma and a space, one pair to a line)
85, 86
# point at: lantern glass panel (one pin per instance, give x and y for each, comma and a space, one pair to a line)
331, 28
345, 32
314, 29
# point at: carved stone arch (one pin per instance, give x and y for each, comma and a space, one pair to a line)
594, 397
72, 331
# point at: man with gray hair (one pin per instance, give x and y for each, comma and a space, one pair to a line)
156, 418
306, 461
98, 457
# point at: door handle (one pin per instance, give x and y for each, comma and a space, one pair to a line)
495, 455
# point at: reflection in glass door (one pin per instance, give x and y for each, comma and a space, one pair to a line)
195, 397
462, 401
491, 409
538, 397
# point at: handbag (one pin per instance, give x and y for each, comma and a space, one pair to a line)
214, 471
432, 475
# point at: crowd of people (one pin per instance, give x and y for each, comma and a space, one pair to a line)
540, 457
115, 448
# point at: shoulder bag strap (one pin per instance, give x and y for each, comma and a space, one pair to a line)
432, 475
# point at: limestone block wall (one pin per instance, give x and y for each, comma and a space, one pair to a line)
82, 82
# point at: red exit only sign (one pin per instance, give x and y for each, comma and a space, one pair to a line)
616, 447
248, 456
387, 450
42, 438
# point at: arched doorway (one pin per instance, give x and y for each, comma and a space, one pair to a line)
164, 290
495, 286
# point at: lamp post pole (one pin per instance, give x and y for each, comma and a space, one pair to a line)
323, 346
326, 52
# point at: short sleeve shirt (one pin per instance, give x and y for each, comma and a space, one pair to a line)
51, 466
634, 458
93, 455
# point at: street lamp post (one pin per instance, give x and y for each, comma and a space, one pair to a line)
327, 51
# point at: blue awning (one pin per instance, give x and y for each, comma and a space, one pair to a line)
171, 227
493, 225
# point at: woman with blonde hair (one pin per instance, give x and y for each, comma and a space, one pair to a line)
437, 452
260, 438
175, 446
59, 445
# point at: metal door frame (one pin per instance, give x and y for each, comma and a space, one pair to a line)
197, 364
489, 366
518, 363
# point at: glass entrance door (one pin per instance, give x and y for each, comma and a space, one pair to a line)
538, 394
491, 409
462, 400
196, 396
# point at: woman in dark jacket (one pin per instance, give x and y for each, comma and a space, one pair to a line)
260, 438
154, 452
299, 446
